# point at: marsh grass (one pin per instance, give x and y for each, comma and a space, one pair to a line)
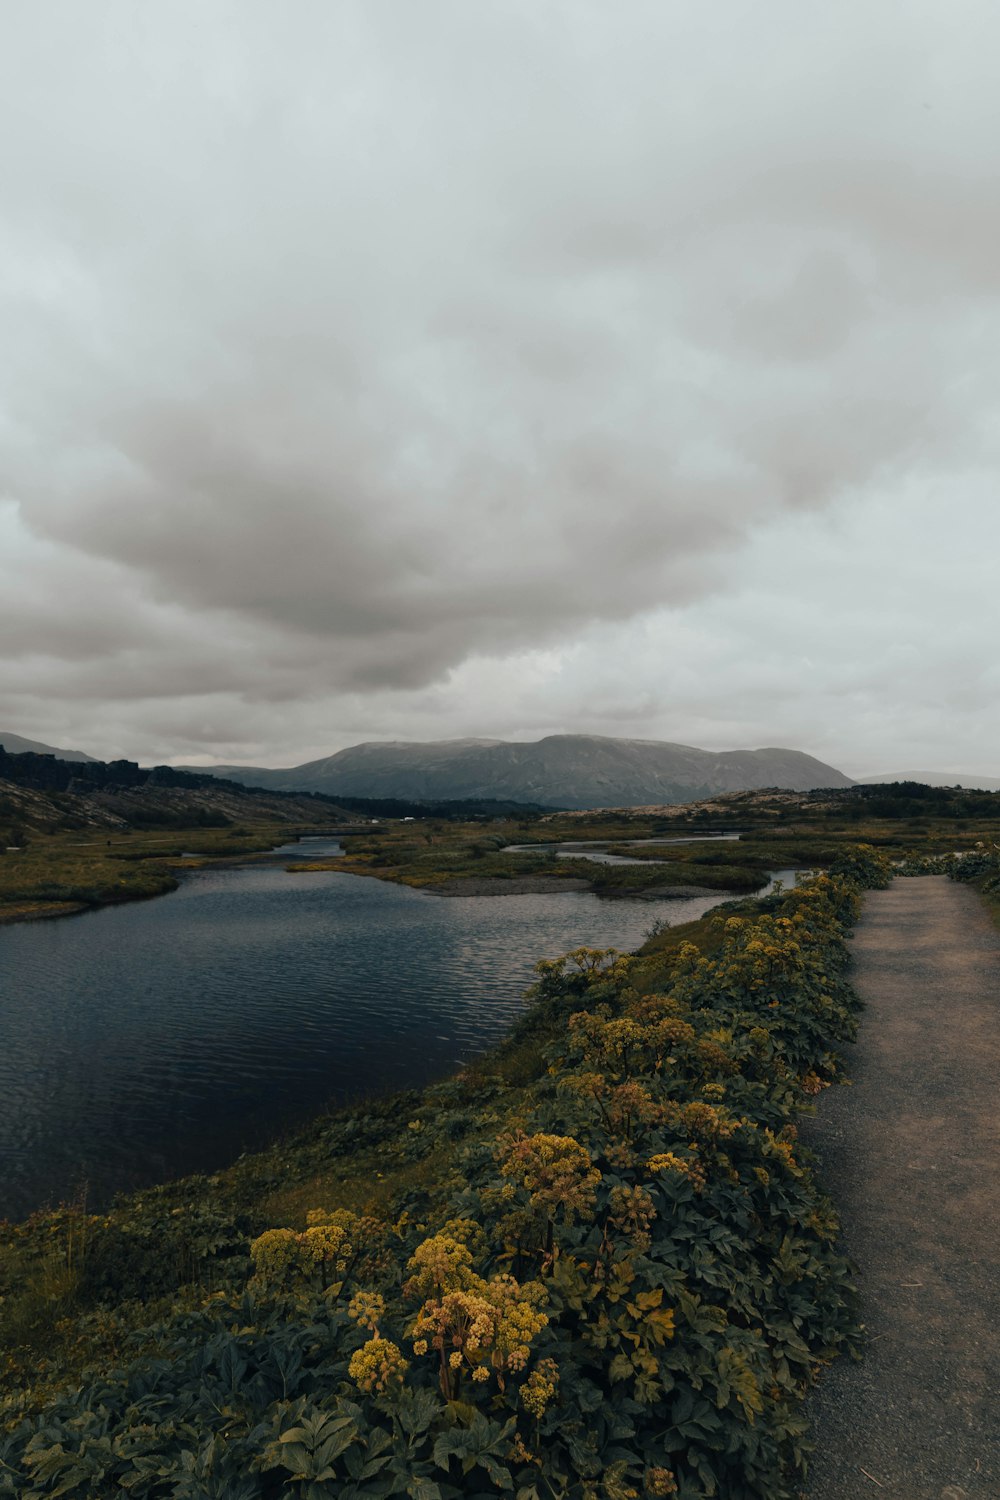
62, 871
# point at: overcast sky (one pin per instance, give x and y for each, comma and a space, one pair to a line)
421, 368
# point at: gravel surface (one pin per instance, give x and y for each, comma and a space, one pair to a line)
911, 1157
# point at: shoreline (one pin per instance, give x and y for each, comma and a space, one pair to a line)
461, 886
392, 1163
37, 911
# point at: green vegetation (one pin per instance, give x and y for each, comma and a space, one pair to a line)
74, 836
65, 871
65, 852
433, 854
630, 879
777, 831
596, 1265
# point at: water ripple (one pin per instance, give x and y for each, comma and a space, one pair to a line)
146, 1041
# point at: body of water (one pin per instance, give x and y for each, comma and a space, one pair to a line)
595, 849
145, 1041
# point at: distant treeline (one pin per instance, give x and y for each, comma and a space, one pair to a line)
465, 809
912, 799
49, 774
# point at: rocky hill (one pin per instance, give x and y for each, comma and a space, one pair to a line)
42, 794
564, 770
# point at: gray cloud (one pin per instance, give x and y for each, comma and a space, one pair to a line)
349, 348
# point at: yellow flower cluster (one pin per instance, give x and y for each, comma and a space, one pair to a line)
709, 1122
594, 1084
378, 1366
604, 1041
668, 1162
467, 1321
631, 1209
781, 1147
607, 963
539, 1390
441, 1264
366, 1308
328, 1246
713, 1058
660, 1482
672, 1033
655, 1007
629, 1104
519, 1454
700, 1121
275, 1253
556, 1171
626, 1042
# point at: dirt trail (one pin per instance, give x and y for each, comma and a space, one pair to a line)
911, 1157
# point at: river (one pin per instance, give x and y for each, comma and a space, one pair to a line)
146, 1041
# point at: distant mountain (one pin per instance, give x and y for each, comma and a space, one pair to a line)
563, 770
121, 793
970, 780
16, 744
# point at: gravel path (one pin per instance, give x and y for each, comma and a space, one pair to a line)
911, 1157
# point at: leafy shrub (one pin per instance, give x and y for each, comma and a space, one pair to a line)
867, 866
631, 1287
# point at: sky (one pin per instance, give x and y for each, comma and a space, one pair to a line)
415, 369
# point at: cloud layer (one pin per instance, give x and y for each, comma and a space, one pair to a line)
376, 369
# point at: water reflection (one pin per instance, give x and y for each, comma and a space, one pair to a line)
167, 1036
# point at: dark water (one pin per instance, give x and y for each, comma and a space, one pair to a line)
594, 849
145, 1041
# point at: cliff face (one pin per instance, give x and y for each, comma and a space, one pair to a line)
566, 770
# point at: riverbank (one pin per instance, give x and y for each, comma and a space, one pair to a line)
62, 874
165, 1037
642, 1110
39, 911
71, 865
490, 860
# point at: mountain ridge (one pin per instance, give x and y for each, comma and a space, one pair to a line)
16, 744
569, 771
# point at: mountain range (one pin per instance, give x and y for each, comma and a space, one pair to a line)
16, 744
562, 770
